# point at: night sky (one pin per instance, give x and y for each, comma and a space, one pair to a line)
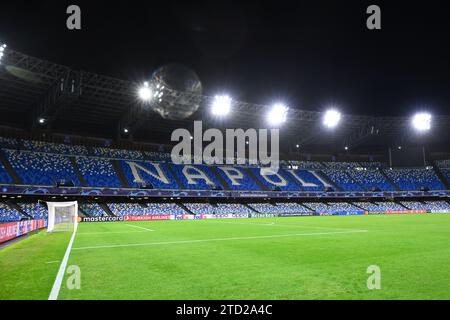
308, 54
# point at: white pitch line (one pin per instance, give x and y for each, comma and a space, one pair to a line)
273, 224
62, 268
217, 239
109, 232
130, 225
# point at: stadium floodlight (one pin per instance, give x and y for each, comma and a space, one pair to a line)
331, 118
221, 106
422, 121
277, 114
145, 93
2, 51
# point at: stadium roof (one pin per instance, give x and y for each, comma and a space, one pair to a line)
82, 102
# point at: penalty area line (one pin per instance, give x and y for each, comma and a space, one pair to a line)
62, 268
130, 225
217, 239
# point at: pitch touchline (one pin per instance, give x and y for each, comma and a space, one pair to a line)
62, 268
216, 239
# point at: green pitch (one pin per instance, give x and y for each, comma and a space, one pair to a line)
279, 258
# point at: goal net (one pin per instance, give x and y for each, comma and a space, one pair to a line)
62, 216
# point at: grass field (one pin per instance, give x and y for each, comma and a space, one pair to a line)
271, 258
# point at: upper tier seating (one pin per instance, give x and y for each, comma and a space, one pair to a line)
343, 180
44, 163
4, 176
155, 174
341, 165
98, 172
9, 143
198, 177
118, 153
58, 148
373, 165
310, 180
312, 165
41, 168
157, 156
280, 180
236, 178
415, 179
446, 173
443, 163
370, 179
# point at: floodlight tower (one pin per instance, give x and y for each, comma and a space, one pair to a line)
331, 118
145, 92
421, 121
221, 106
278, 114
2, 51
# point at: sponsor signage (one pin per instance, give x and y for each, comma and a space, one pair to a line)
149, 217
13, 230
101, 219
262, 215
405, 211
439, 211
300, 214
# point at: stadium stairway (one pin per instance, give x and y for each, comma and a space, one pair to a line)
175, 176
355, 182
328, 180
15, 206
12, 173
123, 180
105, 208
77, 171
441, 176
355, 205
82, 213
220, 178
294, 181
252, 176
397, 188
185, 208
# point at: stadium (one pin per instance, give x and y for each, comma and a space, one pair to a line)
94, 207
